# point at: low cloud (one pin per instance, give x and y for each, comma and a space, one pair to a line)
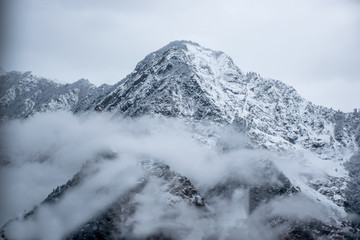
46, 150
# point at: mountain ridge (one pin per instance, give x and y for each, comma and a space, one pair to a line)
184, 79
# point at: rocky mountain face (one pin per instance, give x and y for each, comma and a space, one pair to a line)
23, 95
187, 81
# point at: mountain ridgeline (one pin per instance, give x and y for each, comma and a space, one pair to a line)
185, 81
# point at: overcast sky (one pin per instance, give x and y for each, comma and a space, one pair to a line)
313, 45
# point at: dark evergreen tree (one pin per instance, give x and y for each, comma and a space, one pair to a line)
352, 192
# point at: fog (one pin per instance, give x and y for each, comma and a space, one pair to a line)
47, 150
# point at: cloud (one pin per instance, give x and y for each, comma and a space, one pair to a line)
80, 204
46, 150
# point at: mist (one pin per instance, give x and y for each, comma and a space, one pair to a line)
45, 151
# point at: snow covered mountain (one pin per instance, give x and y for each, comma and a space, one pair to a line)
23, 94
184, 80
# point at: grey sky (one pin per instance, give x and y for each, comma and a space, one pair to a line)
313, 45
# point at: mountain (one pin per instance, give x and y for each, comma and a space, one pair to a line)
184, 80
23, 95
188, 81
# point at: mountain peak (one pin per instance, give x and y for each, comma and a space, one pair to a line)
192, 54
181, 43
188, 46
182, 78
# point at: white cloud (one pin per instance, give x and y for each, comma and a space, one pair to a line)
46, 150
